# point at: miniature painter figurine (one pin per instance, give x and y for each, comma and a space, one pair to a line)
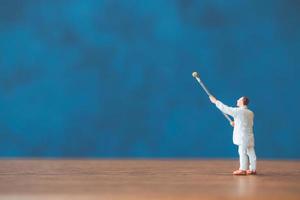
242, 133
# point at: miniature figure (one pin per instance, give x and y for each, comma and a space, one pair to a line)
242, 134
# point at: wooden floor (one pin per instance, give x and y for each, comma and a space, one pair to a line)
146, 179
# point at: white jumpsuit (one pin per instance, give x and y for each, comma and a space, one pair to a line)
242, 133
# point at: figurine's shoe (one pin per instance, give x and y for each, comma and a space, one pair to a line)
250, 172
239, 172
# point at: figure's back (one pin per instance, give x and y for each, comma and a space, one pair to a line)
244, 120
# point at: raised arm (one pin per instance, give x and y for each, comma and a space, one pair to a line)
224, 108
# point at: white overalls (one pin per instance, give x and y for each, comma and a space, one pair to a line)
242, 133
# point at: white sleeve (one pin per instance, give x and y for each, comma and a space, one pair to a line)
226, 109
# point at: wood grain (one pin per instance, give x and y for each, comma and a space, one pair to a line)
146, 179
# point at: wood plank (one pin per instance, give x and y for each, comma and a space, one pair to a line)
146, 179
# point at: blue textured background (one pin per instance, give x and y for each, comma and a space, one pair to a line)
113, 78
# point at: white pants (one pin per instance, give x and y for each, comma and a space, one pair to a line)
244, 153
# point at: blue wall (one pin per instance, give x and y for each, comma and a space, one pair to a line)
113, 78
